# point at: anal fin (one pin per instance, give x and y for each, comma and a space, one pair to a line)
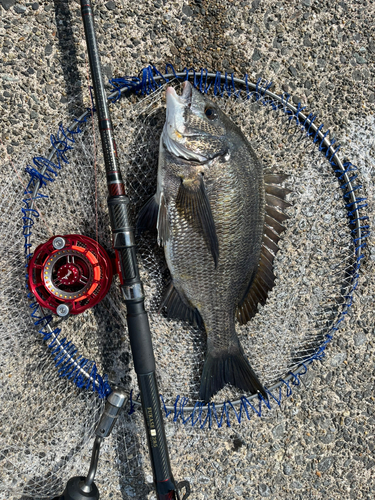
178, 308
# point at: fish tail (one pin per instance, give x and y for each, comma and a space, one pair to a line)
228, 368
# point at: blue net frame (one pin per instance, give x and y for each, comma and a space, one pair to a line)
82, 371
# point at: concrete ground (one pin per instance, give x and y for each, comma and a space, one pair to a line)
320, 442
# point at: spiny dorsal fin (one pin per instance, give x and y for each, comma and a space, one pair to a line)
273, 224
275, 178
276, 202
275, 214
264, 279
276, 191
269, 243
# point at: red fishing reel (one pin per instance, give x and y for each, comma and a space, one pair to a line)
69, 274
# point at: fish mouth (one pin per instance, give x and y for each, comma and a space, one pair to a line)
174, 131
176, 107
187, 91
184, 99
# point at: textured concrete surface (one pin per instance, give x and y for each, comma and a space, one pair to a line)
320, 442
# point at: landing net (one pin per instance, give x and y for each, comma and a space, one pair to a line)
55, 376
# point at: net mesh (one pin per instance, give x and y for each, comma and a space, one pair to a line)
314, 270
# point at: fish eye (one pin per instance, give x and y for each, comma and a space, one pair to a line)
210, 113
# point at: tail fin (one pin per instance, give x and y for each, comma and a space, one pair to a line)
228, 368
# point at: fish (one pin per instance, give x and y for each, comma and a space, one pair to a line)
219, 218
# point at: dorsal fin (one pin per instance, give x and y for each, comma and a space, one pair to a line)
275, 178
264, 280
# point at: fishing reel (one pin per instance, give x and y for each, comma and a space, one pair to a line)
69, 274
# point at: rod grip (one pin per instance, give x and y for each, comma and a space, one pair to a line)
123, 240
165, 485
140, 338
131, 286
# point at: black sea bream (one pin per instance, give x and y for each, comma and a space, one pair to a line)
211, 217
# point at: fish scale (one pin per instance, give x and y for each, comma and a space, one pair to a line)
211, 214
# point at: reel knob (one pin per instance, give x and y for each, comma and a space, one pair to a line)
69, 274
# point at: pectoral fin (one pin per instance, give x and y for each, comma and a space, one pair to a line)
194, 206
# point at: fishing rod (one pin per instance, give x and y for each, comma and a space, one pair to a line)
132, 291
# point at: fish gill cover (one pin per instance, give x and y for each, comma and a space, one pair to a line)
316, 273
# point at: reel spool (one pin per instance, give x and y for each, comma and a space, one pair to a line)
69, 274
